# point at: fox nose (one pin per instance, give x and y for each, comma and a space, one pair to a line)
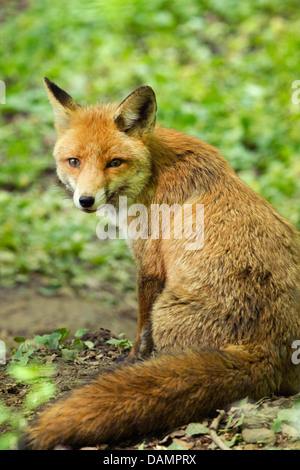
86, 201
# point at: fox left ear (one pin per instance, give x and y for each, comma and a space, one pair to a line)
137, 113
62, 103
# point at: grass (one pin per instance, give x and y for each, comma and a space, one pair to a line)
222, 71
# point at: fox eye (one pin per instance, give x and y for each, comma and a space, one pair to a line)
114, 163
74, 162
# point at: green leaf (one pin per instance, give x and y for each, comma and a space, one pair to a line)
23, 353
232, 441
49, 340
19, 339
69, 354
290, 414
240, 421
81, 332
276, 425
42, 339
177, 446
77, 344
30, 372
39, 394
229, 422
5, 413
120, 343
196, 428
9, 441
54, 340
64, 333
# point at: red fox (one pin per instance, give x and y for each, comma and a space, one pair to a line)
222, 318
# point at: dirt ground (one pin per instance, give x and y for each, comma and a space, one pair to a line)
25, 312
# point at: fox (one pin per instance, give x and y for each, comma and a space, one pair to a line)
215, 324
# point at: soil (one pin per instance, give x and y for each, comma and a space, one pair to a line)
25, 312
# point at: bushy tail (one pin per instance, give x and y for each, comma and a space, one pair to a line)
155, 395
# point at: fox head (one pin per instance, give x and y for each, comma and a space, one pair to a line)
101, 152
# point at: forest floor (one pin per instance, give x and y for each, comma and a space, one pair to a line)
271, 423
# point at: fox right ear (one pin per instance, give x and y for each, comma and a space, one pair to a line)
62, 103
137, 113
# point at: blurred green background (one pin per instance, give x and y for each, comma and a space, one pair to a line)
222, 70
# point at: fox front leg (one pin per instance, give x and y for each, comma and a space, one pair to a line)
148, 288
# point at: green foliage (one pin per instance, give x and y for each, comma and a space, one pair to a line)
37, 378
24, 352
290, 416
51, 342
26, 370
122, 342
221, 71
176, 446
194, 429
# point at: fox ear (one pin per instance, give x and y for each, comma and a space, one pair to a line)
62, 103
137, 113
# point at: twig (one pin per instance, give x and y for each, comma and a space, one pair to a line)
213, 431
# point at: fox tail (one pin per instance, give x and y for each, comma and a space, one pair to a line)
155, 395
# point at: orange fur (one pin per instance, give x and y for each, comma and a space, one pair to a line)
224, 317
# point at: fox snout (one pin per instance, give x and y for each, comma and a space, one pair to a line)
86, 201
